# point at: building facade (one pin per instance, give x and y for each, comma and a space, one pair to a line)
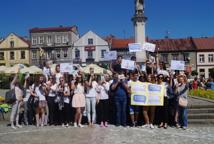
14, 50
205, 55
90, 48
52, 43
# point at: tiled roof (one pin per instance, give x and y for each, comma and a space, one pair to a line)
204, 43
120, 43
185, 44
162, 44
52, 29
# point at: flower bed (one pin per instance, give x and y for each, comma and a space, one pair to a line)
209, 94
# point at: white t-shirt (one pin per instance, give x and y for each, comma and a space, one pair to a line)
52, 92
27, 95
92, 91
79, 89
58, 76
39, 94
104, 91
66, 98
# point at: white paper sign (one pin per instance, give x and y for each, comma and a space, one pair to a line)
149, 47
110, 55
177, 65
135, 47
128, 64
66, 68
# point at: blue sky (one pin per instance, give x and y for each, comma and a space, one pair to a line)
182, 18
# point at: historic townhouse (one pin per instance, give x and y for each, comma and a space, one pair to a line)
90, 48
14, 50
52, 43
205, 55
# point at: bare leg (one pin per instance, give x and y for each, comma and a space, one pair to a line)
145, 114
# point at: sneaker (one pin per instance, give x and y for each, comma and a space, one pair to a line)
80, 125
13, 127
19, 126
184, 128
67, 125
152, 126
75, 125
106, 124
145, 126
177, 126
101, 125
63, 125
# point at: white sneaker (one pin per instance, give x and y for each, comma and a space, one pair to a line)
67, 125
80, 125
19, 126
75, 125
146, 126
63, 125
13, 127
152, 126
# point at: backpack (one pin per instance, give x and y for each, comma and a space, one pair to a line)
10, 96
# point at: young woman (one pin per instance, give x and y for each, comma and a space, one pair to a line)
181, 112
164, 109
149, 118
40, 95
78, 101
51, 87
64, 106
103, 101
27, 90
91, 94
57, 74
14, 116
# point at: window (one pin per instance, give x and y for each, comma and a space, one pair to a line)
1, 55
201, 58
12, 55
164, 58
65, 51
58, 39
22, 54
90, 41
90, 54
49, 39
175, 56
34, 54
11, 44
186, 57
41, 39
210, 57
202, 72
102, 53
65, 39
77, 53
58, 53
34, 40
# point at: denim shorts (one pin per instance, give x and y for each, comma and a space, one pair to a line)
134, 109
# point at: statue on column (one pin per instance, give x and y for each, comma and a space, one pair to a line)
139, 6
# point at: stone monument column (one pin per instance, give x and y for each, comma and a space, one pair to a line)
139, 21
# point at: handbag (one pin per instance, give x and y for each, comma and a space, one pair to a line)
182, 102
10, 96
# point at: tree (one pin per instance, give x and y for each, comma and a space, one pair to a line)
194, 73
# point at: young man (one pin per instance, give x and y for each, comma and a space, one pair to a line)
133, 110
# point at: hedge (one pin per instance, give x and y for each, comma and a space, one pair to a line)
209, 94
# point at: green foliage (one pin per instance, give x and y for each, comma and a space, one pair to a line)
209, 94
194, 73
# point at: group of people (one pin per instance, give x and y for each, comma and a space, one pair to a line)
56, 98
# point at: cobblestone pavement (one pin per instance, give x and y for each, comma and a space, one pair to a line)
111, 135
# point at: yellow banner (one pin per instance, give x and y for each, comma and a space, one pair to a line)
147, 94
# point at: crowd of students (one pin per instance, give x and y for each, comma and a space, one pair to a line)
55, 98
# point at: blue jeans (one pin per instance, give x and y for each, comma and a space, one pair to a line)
91, 107
121, 104
182, 116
